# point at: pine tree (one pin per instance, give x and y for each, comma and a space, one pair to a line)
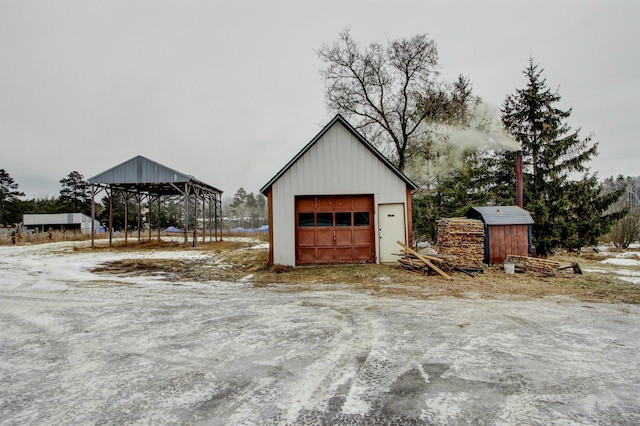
567, 213
8, 199
75, 195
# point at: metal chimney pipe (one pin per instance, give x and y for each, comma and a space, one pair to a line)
519, 180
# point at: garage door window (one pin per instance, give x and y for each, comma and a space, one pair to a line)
305, 220
361, 218
343, 219
325, 219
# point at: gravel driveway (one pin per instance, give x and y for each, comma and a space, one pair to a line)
81, 348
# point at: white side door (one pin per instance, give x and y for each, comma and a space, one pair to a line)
391, 228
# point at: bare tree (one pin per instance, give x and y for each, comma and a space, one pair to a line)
391, 93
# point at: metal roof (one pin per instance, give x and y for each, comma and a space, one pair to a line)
339, 119
139, 174
501, 215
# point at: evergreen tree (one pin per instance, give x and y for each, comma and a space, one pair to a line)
118, 213
41, 205
251, 207
170, 214
9, 199
239, 205
261, 206
75, 195
452, 194
567, 213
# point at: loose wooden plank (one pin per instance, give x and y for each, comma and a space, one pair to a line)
425, 260
434, 259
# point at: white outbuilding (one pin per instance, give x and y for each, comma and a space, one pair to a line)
58, 222
339, 200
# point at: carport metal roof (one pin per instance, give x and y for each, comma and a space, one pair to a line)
141, 175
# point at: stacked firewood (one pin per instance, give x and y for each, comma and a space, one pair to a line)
462, 240
542, 267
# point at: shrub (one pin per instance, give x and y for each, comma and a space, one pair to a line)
626, 231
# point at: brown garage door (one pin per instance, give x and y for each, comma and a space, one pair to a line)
335, 229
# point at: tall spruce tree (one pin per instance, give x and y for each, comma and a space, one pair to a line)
567, 212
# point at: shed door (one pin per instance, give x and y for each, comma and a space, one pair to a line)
392, 230
507, 239
334, 229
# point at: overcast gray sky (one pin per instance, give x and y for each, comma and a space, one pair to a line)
229, 91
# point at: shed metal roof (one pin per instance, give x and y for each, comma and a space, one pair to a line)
501, 215
139, 174
339, 119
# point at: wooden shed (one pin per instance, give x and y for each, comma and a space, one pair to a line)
339, 200
507, 231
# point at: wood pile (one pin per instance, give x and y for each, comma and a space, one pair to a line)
462, 239
422, 263
542, 267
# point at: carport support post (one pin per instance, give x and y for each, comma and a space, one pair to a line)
186, 211
204, 211
138, 199
210, 219
126, 218
159, 220
93, 216
110, 193
219, 224
149, 214
195, 218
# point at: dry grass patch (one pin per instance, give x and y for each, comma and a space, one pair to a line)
28, 238
234, 261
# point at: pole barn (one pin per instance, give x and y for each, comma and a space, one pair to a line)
141, 179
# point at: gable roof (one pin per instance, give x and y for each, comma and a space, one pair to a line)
141, 174
339, 119
501, 215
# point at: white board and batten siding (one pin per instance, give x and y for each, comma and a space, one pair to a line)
336, 164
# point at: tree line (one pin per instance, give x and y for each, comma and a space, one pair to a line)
245, 210
74, 197
444, 137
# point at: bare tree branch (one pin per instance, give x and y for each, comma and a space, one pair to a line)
391, 92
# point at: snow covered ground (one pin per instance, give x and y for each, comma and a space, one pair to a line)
84, 348
612, 261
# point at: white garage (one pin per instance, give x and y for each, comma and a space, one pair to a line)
339, 200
